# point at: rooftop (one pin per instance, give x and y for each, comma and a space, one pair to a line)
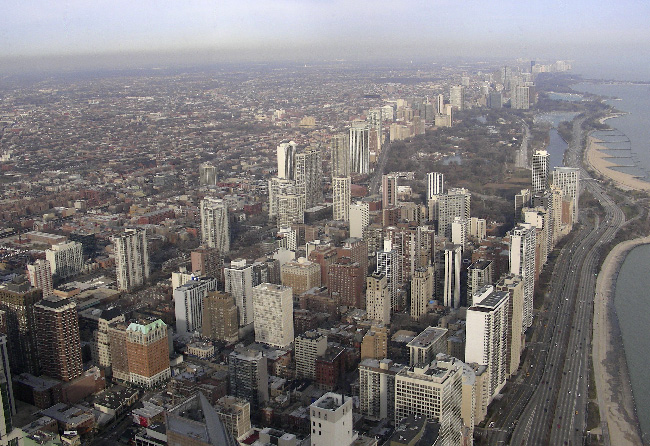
429, 336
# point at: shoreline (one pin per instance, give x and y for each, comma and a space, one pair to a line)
616, 403
596, 159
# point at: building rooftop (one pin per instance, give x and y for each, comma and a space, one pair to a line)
490, 302
429, 336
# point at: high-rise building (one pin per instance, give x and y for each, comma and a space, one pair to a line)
454, 203
8, 434
375, 342
239, 283
540, 170
422, 288
522, 263
279, 187
514, 286
101, 349
215, 226
377, 388
375, 121
435, 184
309, 176
340, 156
300, 275
359, 141
17, 300
248, 373
147, 352
359, 218
40, 276
457, 97
477, 228
235, 413
207, 175
387, 265
66, 259
273, 305
131, 258
479, 274
378, 302
220, 320
290, 209
57, 336
188, 304
341, 198
453, 259
286, 160
331, 421
195, 422
346, 278
426, 345
522, 200
355, 249
520, 97
568, 180
388, 191
207, 262
440, 104
459, 231
435, 391
308, 346
487, 338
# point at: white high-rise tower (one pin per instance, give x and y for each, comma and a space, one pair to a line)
541, 159
131, 258
215, 227
522, 263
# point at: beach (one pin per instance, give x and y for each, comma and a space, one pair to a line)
615, 398
597, 159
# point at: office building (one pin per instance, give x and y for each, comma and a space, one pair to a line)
457, 97
378, 302
195, 422
359, 218
207, 174
239, 283
435, 391
273, 305
40, 276
422, 289
308, 346
568, 180
454, 203
309, 176
540, 170
435, 184
188, 304
57, 337
66, 259
215, 226
453, 259
300, 275
286, 152
220, 319
522, 263
377, 388
425, 346
17, 300
331, 421
340, 156
247, 369
514, 286
359, 140
131, 258
479, 274
388, 191
487, 338
341, 198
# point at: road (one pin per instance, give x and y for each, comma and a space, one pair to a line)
521, 159
375, 182
546, 403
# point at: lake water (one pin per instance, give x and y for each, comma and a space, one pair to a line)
556, 145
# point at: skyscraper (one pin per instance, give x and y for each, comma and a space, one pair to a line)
309, 346
522, 263
378, 302
207, 175
454, 203
388, 191
188, 304
541, 159
340, 156
422, 288
286, 160
57, 337
239, 283
8, 435
453, 257
435, 184
387, 265
248, 373
457, 97
17, 300
66, 259
377, 387
359, 218
568, 180
309, 176
359, 147
147, 352
131, 258
40, 276
341, 198
215, 226
273, 306
220, 320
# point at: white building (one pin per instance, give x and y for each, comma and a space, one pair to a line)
341, 198
131, 258
568, 180
307, 347
522, 263
331, 421
377, 388
215, 227
425, 346
66, 259
459, 230
541, 160
479, 274
378, 302
286, 160
435, 184
487, 338
451, 291
359, 218
454, 203
207, 175
387, 264
477, 228
422, 289
239, 283
340, 156
287, 239
359, 147
188, 304
273, 314
40, 276
457, 97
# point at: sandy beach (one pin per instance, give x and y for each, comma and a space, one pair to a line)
615, 397
597, 159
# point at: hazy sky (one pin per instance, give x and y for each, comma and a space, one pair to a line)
326, 28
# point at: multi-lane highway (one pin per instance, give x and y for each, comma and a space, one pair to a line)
546, 403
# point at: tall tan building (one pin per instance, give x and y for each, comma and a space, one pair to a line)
375, 343
308, 346
341, 187
273, 306
378, 302
220, 317
101, 351
301, 275
422, 288
57, 337
514, 286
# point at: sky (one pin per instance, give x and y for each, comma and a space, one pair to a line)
326, 29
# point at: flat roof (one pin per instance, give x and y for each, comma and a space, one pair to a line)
429, 336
